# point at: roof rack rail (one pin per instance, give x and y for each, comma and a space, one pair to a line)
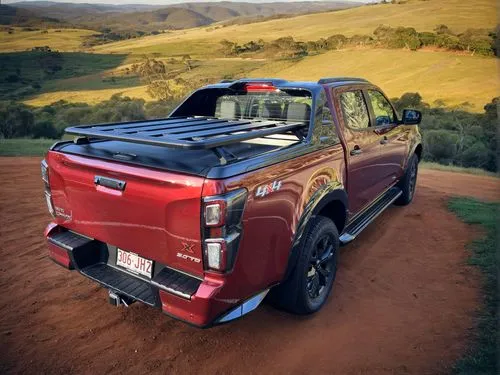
226, 80
341, 79
194, 133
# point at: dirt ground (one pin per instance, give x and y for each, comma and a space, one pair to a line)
403, 301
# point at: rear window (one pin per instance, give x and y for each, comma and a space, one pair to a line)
283, 105
279, 105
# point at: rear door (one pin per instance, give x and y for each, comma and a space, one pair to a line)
393, 138
364, 170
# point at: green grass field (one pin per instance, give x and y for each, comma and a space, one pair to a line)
480, 357
456, 169
25, 147
27, 73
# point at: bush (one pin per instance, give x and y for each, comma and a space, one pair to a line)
476, 40
427, 38
447, 41
400, 37
440, 146
45, 129
336, 41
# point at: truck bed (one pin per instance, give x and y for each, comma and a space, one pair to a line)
194, 162
192, 145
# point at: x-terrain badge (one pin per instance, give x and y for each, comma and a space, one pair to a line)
188, 247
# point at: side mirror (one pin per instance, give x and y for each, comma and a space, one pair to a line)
411, 117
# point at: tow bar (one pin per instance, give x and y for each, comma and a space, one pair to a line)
116, 299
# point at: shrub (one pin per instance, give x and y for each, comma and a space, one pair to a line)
440, 146
476, 40
45, 129
336, 41
447, 41
427, 38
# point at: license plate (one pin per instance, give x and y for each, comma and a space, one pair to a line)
134, 263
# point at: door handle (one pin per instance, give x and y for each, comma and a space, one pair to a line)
384, 140
356, 151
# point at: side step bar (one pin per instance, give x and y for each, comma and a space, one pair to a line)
355, 227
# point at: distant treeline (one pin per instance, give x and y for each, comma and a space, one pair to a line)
480, 41
106, 35
451, 136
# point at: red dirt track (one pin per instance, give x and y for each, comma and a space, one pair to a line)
403, 301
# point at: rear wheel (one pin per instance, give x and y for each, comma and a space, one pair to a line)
309, 286
408, 183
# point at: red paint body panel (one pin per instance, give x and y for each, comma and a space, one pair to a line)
270, 223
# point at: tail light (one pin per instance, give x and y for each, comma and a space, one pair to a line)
260, 87
222, 229
45, 177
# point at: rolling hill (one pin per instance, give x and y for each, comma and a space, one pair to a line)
148, 18
12, 16
422, 15
452, 77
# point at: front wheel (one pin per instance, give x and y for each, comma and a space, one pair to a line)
408, 183
308, 288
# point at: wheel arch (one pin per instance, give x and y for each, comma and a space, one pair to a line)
418, 151
330, 201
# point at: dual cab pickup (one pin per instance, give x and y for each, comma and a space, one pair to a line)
249, 187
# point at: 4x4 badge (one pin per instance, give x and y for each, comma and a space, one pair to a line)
264, 190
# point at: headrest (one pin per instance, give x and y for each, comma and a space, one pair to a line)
298, 112
229, 109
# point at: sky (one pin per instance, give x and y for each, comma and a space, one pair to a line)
162, 2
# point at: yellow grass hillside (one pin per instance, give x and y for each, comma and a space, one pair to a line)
57, 39
459, 15
444, 76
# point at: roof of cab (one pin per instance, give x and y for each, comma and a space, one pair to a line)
282, 83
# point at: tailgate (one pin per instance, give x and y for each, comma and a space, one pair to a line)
156, 214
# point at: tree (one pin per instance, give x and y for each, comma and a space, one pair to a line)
442, 29
16, 120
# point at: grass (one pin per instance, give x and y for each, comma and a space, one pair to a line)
25, 146
48, 71
456, 169
480, 357
423, 15
62, 40
91, 89
451, 77
447, 76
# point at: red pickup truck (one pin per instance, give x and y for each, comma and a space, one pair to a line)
249, 187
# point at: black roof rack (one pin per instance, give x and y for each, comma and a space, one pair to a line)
341, 79
185, 132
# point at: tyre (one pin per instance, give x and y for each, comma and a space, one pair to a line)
310, 284
408, 183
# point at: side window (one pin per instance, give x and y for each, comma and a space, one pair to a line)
327, 118
354, 110
382, 109
324, 131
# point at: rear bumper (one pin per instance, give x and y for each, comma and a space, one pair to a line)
177, 294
